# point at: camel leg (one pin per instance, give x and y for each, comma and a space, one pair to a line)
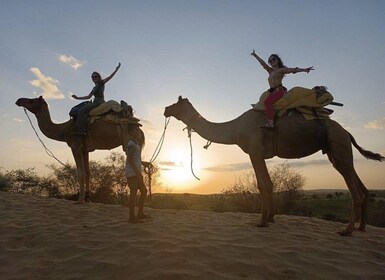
78, 156
265, 187
364, 206
86, 162
342, 159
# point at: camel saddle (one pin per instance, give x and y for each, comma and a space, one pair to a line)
309, 102
115, 113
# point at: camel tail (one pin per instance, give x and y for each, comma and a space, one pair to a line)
365, 153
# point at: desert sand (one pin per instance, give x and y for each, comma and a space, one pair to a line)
44, 238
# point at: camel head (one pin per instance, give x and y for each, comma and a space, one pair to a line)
33, 105
178, 109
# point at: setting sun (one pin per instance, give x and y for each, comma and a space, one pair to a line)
176, 171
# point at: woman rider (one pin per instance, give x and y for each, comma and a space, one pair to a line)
277, 71
98, 93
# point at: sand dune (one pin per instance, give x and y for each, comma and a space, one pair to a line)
43, 238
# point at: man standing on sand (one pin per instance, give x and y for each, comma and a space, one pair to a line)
134, 174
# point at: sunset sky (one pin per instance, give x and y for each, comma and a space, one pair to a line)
200, 50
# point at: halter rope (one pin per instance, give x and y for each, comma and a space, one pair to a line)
48, 151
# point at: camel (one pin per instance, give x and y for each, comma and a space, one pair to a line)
102, 135
293, 137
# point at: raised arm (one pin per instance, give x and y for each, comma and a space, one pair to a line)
112, 74
263, 63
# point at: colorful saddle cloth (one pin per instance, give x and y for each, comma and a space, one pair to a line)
310, 102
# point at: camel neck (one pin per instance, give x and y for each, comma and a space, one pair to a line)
223, 133
50, 129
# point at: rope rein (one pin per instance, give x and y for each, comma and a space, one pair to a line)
189, 130
48, 151
160, 143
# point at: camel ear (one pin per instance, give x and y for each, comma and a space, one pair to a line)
180, 98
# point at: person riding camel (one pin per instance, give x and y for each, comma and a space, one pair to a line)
98, 93
277, 71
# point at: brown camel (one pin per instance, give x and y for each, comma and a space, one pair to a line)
293, 137
101, 136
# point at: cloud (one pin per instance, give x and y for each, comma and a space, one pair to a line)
18, 120
71, 61
302, 163
230, 167
376, 124
169, 165
47, 84
247, 165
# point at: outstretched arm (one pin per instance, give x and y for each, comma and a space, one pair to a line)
263, 63
74, 96
113, 74
297, 70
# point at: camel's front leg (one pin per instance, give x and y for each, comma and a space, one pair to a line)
265, 187
78, 156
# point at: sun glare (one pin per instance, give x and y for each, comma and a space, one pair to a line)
176, 173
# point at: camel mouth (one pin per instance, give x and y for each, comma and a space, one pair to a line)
19, 102
166, 112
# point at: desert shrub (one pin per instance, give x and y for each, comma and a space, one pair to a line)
288, 185
66, 178
217, 203
5, 182
329, 217
104, 194
376, 210
27, 181
242, 196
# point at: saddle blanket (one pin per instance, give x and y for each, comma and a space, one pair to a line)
104, 108
113, 106
309, 102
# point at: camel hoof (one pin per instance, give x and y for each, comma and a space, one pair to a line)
271, 220
80, 201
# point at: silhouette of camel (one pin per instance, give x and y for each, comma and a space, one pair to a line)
293, 137
102, 135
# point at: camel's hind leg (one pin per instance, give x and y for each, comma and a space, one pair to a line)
86, 162
341, 155
364, 206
